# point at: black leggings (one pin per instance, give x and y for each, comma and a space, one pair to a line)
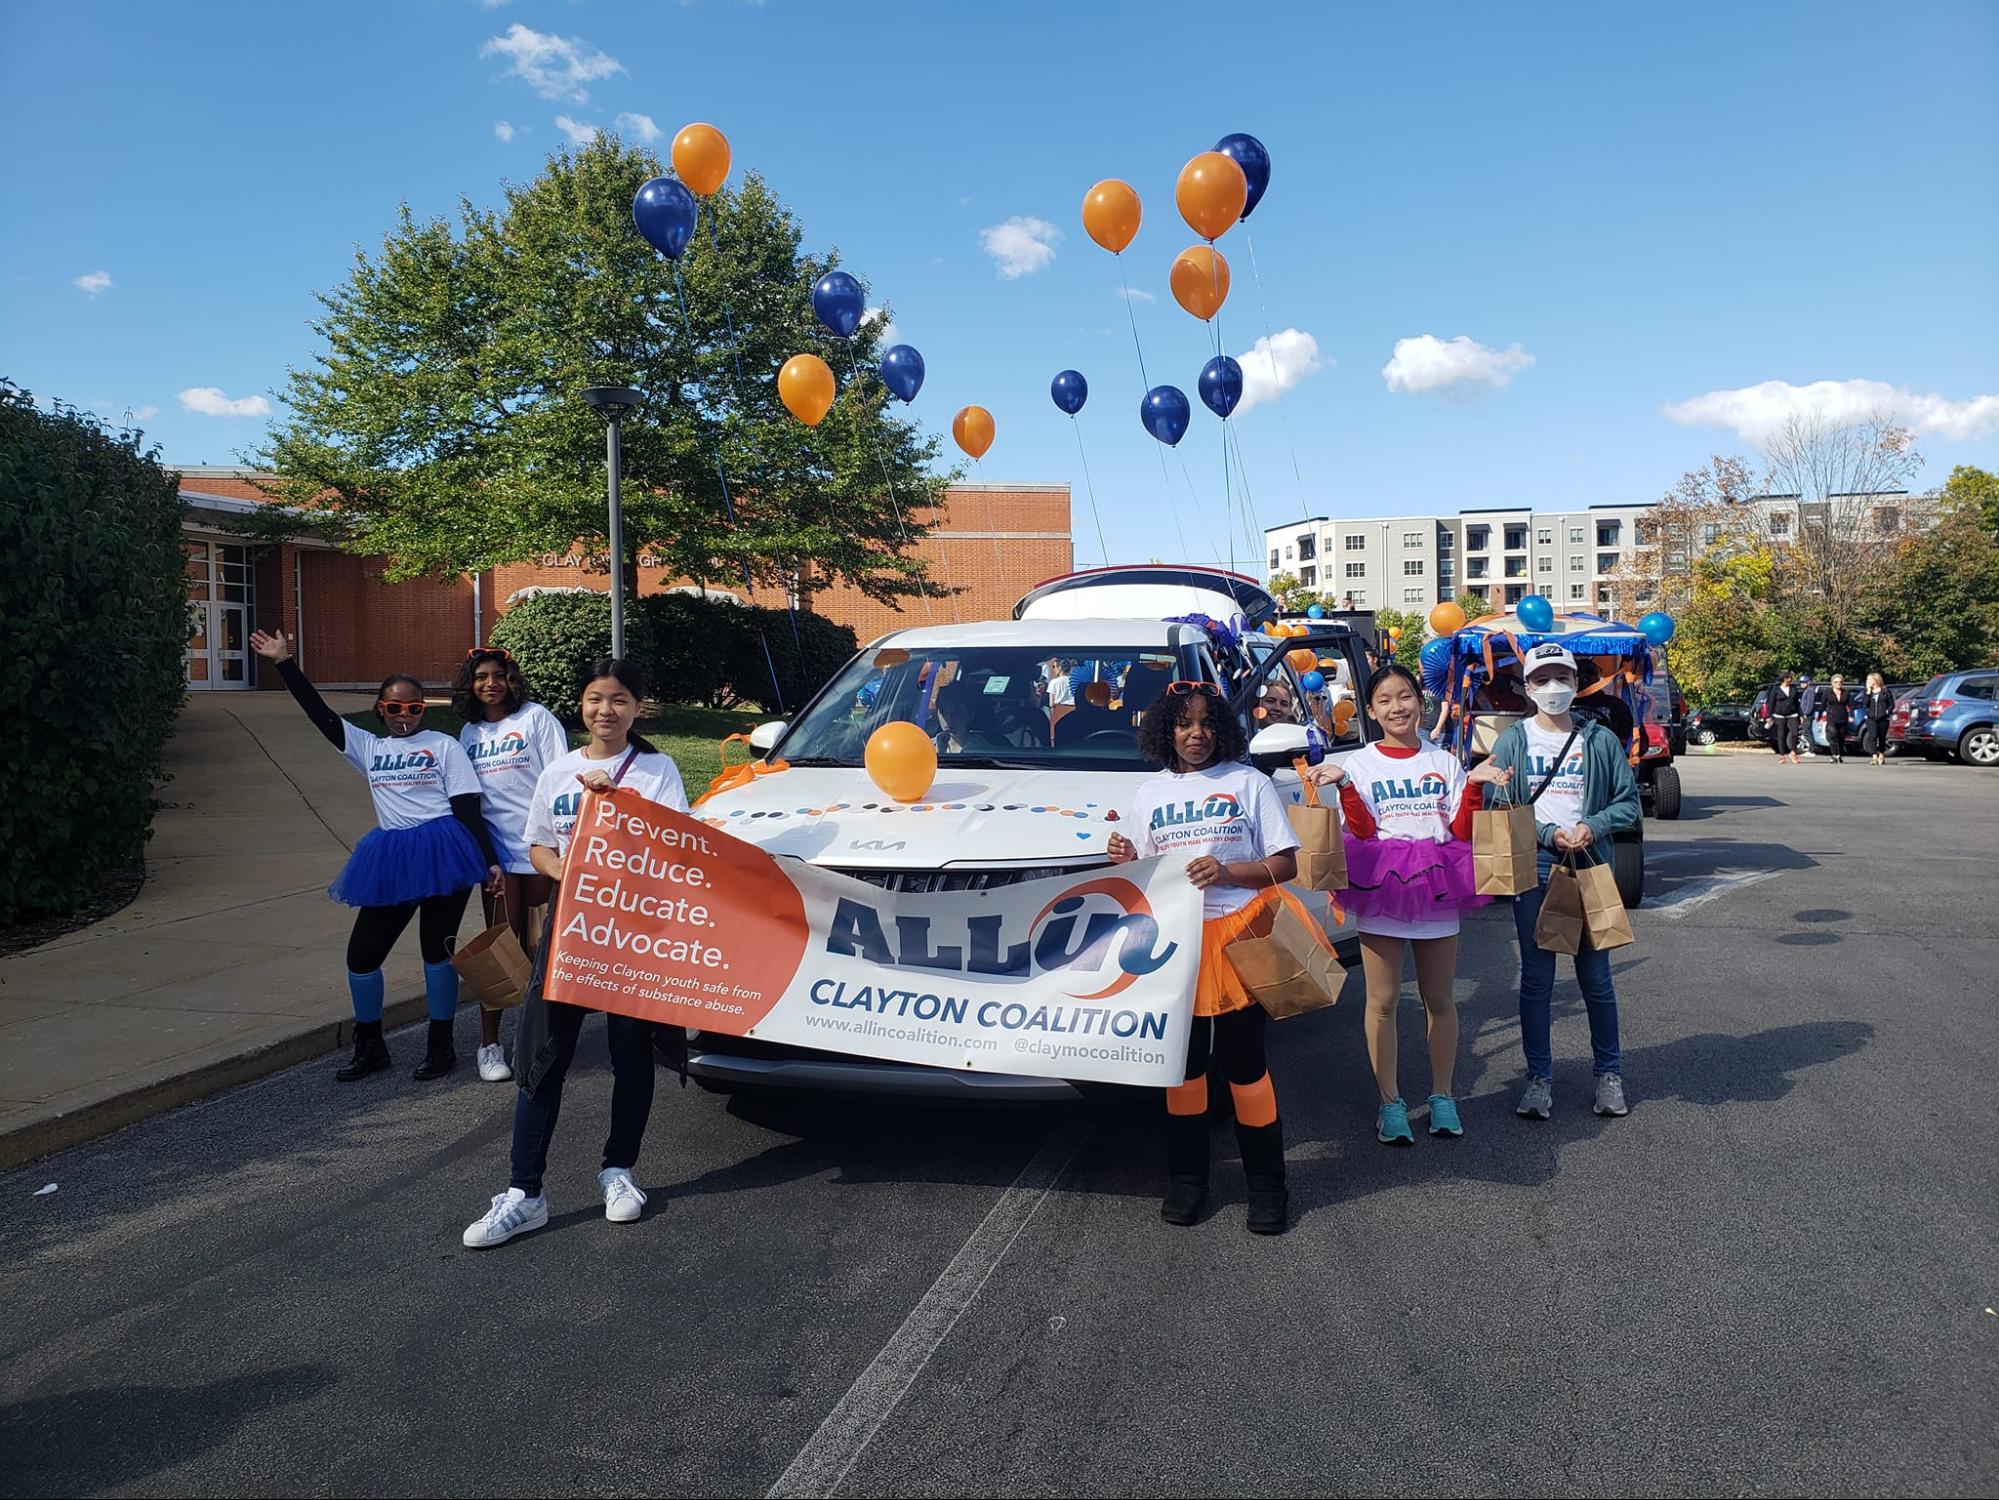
1237, 1038
376, 929
1784, 735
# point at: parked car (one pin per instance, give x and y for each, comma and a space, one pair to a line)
1721, 721
1954, 713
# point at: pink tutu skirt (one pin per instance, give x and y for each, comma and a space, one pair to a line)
1410, 880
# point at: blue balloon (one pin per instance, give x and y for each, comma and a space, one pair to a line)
1165, 413
1069, 390
664, 212
839, 301
1658, 627
902, 371
1221, 385
1315, 611
1313, 682
1536, 613
1249, 154
1436, 659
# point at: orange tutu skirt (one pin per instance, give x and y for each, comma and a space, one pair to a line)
1219, 989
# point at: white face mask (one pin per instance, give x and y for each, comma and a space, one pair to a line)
1552, 697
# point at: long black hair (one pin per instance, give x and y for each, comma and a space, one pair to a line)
1169, 712
1384, 673
632, 680
467, 703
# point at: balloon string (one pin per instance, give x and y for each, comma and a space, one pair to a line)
1144, 379
1145, 389
1091, 487
874, 440
1270, 353
1252, 524
992, 527
1195, 495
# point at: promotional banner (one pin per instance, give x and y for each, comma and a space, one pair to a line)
1089, 977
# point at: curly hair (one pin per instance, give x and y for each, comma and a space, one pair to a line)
1169, 711
466, 702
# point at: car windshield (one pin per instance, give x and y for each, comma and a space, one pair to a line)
991, 705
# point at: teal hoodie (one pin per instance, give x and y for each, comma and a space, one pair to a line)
1610, 791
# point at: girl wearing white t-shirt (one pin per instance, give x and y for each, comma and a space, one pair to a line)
510, 740
545, 1045
1407, 807
430, 849
1208, 803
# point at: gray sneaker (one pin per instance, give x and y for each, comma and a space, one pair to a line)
1610, 1095
1538, 1103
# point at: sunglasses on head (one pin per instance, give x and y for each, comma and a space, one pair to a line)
400, 710
489, 651
1182, 688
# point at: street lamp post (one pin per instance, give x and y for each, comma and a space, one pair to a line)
613, 403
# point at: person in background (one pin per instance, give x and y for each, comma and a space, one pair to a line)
1838, 714
1808, 708
1783, 708
1878, 707
956, 705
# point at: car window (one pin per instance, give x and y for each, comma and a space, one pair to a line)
1977, 687
1933, 686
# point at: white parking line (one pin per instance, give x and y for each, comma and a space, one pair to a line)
822, 1464
1697, 893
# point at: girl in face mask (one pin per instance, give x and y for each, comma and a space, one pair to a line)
1580, 784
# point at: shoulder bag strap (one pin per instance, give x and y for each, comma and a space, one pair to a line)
631, 755
1560, 756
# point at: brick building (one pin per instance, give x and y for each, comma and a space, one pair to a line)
994, 543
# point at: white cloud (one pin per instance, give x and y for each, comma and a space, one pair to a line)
210, 402
1428, 363
640, 126
1759, 412
580, 132
879, 315
1133, 294
503, 130
1021, 246
555, 67
1272, 365
93, 282
493, 4
139, 414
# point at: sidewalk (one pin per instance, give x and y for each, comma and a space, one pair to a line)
229, 965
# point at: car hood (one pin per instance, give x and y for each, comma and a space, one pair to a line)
970, 818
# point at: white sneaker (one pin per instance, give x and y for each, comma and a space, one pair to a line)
493, 1063
622, 1198
513, 1212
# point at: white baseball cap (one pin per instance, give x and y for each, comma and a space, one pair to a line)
1547, 654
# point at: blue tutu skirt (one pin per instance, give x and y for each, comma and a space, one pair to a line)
391, 866
1410, 880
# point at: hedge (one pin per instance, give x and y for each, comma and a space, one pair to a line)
691, 649
94, 600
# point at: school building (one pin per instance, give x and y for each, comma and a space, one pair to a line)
993, 543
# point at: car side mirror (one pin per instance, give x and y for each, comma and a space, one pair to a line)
764, 736
1277, 746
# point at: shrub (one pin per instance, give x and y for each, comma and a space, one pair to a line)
94, 596
804, 662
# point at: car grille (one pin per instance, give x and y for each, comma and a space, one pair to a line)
923, 881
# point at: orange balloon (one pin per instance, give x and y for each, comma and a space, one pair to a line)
1211, 193
1343, 712
1111, 212
1200, 281
901, 760
973, 428
805, 385
701, 157
1446, 618
1395, 632
1303, 660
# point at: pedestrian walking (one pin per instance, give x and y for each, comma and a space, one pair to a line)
1584, 793
1878, 707
430, 848
1407, 806
1838, 715
1784, 708
510, 740
1808, 708
545, 1044
1207, 802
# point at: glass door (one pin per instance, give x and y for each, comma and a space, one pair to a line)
217, 655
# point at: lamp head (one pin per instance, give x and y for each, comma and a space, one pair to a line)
612, 402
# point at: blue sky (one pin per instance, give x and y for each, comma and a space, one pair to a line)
1619, 209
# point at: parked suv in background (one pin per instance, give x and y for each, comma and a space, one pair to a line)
1955, 713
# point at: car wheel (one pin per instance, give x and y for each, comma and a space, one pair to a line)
1627, 867
1704, 737
1979, 747
1666, 793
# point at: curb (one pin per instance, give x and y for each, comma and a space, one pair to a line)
25, 1143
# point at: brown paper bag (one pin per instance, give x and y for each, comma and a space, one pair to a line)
1561, 925
1286, 964
1605, 920
1322, 852
1503, 851
493, 965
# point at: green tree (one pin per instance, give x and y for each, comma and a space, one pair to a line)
1474, 605
1938, 608
443, 426
1290, 594
1976, 490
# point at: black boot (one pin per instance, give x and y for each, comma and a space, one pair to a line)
1187, 1167
371, 1053
438, 1057
1263, 1164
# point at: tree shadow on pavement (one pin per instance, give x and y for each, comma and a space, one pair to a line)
1698, 808
90, 1441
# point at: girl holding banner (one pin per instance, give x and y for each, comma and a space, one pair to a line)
430, 849
545, 1045
1209, 803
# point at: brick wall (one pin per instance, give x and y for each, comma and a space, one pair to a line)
359, 629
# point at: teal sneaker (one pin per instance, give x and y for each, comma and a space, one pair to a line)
1391, 1126
1444, 1116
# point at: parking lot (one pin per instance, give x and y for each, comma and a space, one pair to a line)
1777, 1275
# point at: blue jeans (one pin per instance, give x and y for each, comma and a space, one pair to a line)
1537, 990
631, 1096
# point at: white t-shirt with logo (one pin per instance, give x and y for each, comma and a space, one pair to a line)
1562, 803
1228, 812
1411, 797
412, 777
558, 795
509, 756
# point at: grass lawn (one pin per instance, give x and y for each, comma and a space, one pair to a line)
691, 734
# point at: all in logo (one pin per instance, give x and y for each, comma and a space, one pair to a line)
512, 743
1410, 794
1216, 807
403, 763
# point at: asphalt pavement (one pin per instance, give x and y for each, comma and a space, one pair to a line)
1776, 1276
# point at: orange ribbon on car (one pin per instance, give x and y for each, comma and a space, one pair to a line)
732, 777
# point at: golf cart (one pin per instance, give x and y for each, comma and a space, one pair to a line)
1484, 696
